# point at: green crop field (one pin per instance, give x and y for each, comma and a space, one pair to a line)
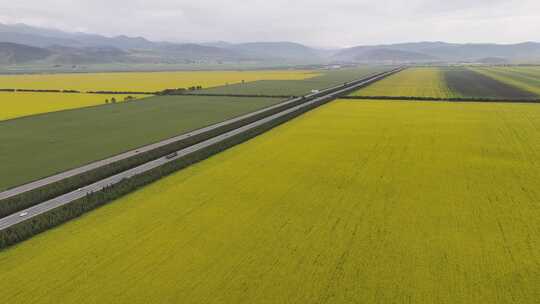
296, 87
525, 78
415, 82
260, 82
469, 83
38, 146
532, 71
356, 202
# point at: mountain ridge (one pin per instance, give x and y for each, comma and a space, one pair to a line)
84, 48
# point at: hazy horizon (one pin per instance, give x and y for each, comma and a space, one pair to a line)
342, 23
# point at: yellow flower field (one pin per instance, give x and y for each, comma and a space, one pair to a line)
413, 82
355, 202
17, 104
144, 81
13, 105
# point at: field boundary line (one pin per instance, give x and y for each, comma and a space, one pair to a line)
455, 99
234, 95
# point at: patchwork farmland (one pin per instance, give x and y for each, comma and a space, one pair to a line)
69, 139
388, 202
52, 200
369, 201
296, 87
19, 104
455, 83
146, 81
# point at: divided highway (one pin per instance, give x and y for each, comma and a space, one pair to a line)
291, 108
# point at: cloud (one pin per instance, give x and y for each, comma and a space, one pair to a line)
314, 22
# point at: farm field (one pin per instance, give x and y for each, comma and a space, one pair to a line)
296, 87
373, 202
524, 78
417, 82
272, 82
38, 146
144, 81
533, 71
90, 134
469, 83
15, 105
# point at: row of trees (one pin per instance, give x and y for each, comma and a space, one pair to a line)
179, 91
114, 100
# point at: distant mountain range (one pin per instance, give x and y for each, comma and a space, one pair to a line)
23, 44
442, 51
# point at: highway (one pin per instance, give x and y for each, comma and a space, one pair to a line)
101, 163
44, 182
65, 199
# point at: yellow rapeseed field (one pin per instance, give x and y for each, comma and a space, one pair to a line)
356, 202
413, 82
13, 105
144, 81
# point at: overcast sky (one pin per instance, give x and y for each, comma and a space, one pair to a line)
331, 23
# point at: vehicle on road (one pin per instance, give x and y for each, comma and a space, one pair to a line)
172, 155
